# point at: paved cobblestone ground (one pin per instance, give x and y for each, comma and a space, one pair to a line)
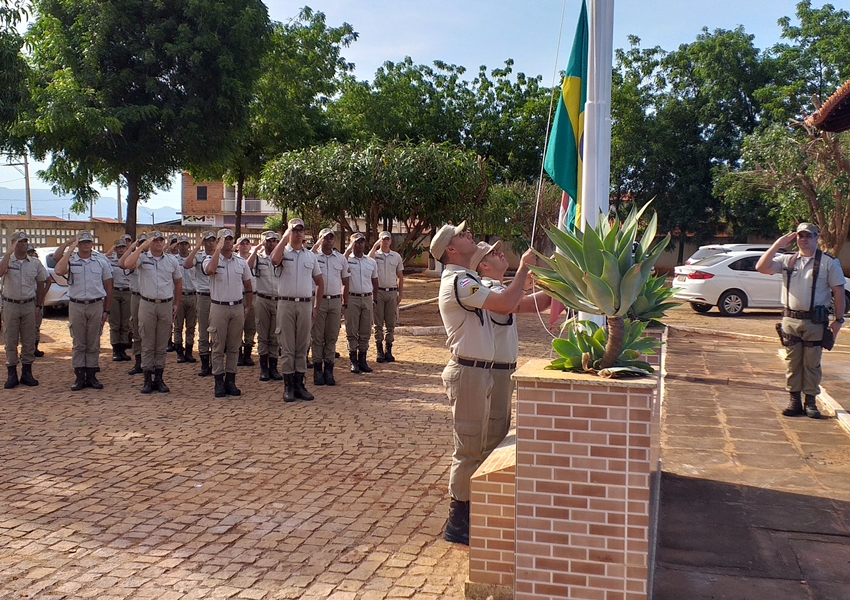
111, 494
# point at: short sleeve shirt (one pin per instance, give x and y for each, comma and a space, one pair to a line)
468, 326
265, 275
389, 267
20, 281
800, 285
188, 276
297, 269
227, 285
157, 275
202, 280
504, 328
363, 270
86, 276
120, 277
334, 269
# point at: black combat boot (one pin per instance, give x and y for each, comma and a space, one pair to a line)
240, 358
137, 367
147, 388
91, 378
299, 389
180, 352
264, 367
170, 346
188, 354
157, 383
329, 373
795, 406
273, 372
380, 346
289, 387
361, 362
12, 377
246, 355
205, 366
230, 385
220, 392
26, 376
122, 352
355, 366
80, 381
38, 353
457, 527
318, 373
388, 355
812, 407
116, 353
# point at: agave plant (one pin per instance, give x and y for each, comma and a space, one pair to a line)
584, 347
652, 301
602, 272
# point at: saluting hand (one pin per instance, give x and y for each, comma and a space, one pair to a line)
787, 239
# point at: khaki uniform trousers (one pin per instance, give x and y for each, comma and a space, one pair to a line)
86, 323
358, 322
265, 317
19, 324
155, 329
326, 330
294, 322
226, 325
501, 399
135, 299
204, 323
386, 313
469, 390
803, 365
187, 316
249, 332
39, 317
119, 317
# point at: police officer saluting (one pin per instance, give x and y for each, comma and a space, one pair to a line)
230, 281
195, 260
265, 305
119, 314
89, 277
135, 300
334, 267
245, 249
296, 310
362, 292
160, 292
464, 307
187, 314
24, 287
390, 291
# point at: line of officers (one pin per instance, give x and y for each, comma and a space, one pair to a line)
152, 293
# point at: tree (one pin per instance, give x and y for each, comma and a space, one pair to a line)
13, 72
138, 88
300, 73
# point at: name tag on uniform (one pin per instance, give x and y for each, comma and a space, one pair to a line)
288, 259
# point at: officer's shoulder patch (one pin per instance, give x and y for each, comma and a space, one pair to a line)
473, 289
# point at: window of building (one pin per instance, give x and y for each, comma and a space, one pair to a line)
202, 192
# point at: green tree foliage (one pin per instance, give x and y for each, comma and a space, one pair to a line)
138, 88
13, 72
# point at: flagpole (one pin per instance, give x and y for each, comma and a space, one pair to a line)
596, 166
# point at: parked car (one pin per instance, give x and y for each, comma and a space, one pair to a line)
57, 295
704, 252
731, 283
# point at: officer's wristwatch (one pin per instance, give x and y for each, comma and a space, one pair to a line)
841, 320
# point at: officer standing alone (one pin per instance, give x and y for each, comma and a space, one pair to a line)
390, 292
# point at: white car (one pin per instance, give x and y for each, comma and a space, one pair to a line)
57, 294
704, 252
731, 283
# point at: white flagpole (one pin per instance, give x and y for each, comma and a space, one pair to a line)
596, 166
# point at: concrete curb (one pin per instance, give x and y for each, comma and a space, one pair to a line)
829, 407
417, 331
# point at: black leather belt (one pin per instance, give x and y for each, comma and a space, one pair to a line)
395, 289
797, 314
360, 295
334, 297
268, 296
483, 364
75, 301
117, 289
290, 299
157, 300
136, 293
203, 293
188, 293
234, 303
5, 299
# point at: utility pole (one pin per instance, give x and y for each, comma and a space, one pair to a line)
120, 219
26, 167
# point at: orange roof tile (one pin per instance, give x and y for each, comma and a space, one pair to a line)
834, 114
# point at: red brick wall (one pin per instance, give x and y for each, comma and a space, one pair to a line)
193, 206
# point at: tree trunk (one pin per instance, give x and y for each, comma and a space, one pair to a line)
681, 259
614, 345
132, 204
237, 226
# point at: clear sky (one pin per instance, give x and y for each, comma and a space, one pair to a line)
486, 32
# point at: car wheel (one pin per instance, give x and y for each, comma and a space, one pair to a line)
700, 307
732, 303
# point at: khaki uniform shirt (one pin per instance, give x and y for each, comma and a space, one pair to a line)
230, 273
188, 277
86, 276
800, 288
266, 275
202, 280
157, 275
19, 283
468, 327
334, 269
389, 266
504, 328
363, 271
120, 277
298, 267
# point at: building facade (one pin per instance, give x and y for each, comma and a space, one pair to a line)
212, 204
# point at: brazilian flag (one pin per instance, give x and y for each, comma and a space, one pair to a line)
564, 151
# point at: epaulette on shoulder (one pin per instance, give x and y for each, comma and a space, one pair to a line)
830, 255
